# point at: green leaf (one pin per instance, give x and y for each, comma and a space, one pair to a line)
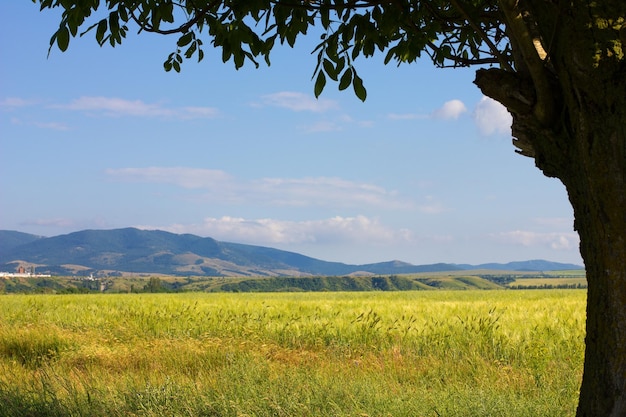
341, 62
166, 11
185, 39
325, 17
123, 13
226, 52
345, 80
191, 50
63, 38
320, 83
102, 28
359, 89
114, 23
330, 69
238, 58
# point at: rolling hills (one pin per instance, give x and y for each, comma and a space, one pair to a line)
121, 251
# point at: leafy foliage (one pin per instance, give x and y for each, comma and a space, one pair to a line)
451, 33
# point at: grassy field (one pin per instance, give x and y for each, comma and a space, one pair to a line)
413, 353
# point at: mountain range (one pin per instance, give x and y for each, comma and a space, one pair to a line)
130, 250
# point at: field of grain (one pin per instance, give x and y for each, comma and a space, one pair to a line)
549, 282
436, 353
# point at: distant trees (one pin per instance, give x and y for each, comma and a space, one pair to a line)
154, 285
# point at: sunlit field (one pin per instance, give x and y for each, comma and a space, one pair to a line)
435, 353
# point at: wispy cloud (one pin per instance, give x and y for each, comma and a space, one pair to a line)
431, 205
332, 191
62, 223
553, 240
15, 102
50, 222
336, 123
450, 110
322, 126
218, 185
180, 176
407, 116
117, 107
357, 229
555, 222
492, 118
295, 101
52, 125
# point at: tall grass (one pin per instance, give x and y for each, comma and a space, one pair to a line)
474, 353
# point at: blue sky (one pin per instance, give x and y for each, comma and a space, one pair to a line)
424, 171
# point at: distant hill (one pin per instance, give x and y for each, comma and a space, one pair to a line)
10, 239
130, 250
532, 265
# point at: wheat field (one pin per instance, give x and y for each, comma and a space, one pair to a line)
435, 353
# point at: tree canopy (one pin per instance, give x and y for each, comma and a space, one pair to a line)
451, 33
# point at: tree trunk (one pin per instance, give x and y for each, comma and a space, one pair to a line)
581, 139
597, 195
587, 152
596, 185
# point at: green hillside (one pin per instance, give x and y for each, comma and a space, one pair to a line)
151, 283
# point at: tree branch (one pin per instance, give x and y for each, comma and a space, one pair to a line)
182, 28
504, 63
463, 62
544, 108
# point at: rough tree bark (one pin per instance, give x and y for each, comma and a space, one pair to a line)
576, 131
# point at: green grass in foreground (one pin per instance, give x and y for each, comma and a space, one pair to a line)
445, 353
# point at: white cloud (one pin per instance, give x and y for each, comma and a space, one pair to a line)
66, 223
325, 191
450, 110
298, 102
42, 125
180, 176
52, 125
553, 240
336, 124
50, 222
492, 117
296, 192
358, 229
431, 206
198, 113
113, 106
406, 116
13, 102
322, 126
555, 222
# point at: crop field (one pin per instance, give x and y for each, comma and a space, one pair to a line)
552, 282
411, 353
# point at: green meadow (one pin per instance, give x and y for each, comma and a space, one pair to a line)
411, 353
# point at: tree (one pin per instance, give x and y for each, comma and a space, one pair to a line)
154, 285
558, 66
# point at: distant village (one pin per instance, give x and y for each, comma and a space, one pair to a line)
22, 272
